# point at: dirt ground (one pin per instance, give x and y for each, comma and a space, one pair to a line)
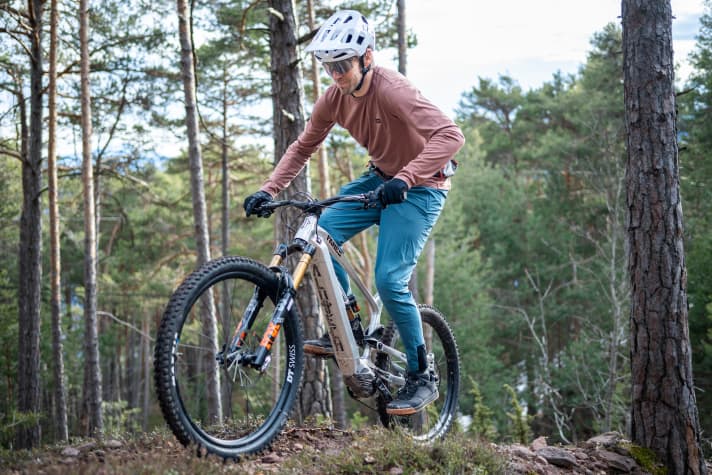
161, 453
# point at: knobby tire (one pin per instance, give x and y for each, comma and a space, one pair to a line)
256, 405
435, 420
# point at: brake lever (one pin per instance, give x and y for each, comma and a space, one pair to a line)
263, 211
372, 199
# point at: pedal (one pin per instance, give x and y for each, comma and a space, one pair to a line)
383, 389
376, 334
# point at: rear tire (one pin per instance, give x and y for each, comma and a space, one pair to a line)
433, 422
255, 405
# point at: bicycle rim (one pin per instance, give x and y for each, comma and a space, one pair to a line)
253, 405
435, 420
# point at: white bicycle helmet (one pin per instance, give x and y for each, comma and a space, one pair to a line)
345, 34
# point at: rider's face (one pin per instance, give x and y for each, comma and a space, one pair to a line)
347, 74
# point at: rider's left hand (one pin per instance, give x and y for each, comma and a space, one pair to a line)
393, 191
254, 201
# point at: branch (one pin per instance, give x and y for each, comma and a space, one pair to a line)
112, 129
10, 153
12, 35
307, 36
14, 11
274, 12
121, 322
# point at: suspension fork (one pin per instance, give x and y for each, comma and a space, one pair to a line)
288, 285
255, 304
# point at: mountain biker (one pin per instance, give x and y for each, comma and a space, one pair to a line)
411, 144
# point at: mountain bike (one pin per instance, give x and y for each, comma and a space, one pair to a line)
229, 357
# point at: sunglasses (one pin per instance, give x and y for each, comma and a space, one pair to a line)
341, 67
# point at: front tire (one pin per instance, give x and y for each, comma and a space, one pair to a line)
225, 412
436, 419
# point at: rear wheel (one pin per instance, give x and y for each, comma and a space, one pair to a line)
436, 419
233, 410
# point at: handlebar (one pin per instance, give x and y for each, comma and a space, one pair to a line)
369, 200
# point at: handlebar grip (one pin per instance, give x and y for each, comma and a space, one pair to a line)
372, 199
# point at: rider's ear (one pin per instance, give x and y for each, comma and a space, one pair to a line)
368, 57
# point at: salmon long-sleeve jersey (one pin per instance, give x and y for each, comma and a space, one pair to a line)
406, 136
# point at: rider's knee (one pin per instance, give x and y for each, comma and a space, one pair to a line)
389, 286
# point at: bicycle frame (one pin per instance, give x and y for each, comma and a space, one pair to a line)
356, 367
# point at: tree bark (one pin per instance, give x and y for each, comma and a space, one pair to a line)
664, 411
208, 314
324, 181
146, 358
430, 245
402, 38
225, 223
30, 257
288, 123
60, 400
92, 369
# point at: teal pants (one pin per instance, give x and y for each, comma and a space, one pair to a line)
403, 231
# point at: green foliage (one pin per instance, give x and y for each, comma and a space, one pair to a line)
544, 213
530, 248
10, 423
379, 450
119, 418
358, 421
647, 459
9, 238
482, 421
519, 419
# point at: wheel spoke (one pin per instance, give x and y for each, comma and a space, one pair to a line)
250, 406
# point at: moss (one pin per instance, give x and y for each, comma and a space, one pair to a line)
647, 459
379, 451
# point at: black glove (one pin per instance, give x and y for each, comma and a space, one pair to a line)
255, 200
392, 192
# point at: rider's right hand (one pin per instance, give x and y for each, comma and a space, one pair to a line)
254, 201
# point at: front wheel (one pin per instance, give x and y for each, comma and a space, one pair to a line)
228, 410
436, 419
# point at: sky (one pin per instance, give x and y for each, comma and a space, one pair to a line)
461, 40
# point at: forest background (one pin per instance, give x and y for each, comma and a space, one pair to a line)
529, 255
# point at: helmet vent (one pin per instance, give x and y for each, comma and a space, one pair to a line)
346, 33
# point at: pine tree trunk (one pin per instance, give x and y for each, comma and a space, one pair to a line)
60, 401
200, 218
324, 181
288, 122
30, 258
402, 68
92, 369
664, 410
402, 39
146, 358
225, 226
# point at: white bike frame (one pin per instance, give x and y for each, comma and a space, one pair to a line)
355, 366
